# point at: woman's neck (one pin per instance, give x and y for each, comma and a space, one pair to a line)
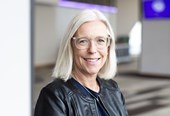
88, 81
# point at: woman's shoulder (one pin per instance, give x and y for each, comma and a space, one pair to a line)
57, 86
56, 83
110, 83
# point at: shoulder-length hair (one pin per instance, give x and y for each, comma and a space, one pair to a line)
64, 63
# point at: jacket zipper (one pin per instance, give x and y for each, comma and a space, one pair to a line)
96, 106
99, 99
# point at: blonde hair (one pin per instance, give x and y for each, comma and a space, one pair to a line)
64, 63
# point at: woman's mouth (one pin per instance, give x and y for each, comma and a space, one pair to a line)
91, 60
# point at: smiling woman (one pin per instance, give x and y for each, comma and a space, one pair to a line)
88, 61
84, 72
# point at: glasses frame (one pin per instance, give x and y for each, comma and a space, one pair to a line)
107, 45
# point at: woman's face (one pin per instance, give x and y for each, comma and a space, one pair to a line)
89, 60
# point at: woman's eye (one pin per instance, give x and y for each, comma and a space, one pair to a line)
82, 41
101, 40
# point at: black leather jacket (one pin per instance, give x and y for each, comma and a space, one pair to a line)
61, 98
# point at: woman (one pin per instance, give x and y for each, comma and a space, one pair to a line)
84, 72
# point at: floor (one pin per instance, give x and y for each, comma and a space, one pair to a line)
144, 95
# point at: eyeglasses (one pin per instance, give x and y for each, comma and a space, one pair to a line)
84, 42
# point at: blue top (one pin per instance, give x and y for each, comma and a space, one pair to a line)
88, 92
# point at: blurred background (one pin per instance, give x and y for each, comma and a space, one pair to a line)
33, 29
142, 32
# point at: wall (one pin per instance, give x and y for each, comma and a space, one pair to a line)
15, 63
50, 25
45, 34
128, 15
155, 57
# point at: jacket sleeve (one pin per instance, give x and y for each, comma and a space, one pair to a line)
122, 99
49, 104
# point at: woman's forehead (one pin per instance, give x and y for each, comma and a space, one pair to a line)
92, 28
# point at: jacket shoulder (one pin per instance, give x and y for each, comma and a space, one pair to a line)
53, 96
55, 84
58, 86
110, 84
113, 83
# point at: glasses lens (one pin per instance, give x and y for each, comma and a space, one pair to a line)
100, 42
82, 43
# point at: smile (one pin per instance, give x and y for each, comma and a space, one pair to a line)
91, 60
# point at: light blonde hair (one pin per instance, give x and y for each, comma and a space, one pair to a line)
64, 63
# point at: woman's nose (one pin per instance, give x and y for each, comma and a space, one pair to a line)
92, 47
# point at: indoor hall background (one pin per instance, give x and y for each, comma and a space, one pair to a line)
145, 95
